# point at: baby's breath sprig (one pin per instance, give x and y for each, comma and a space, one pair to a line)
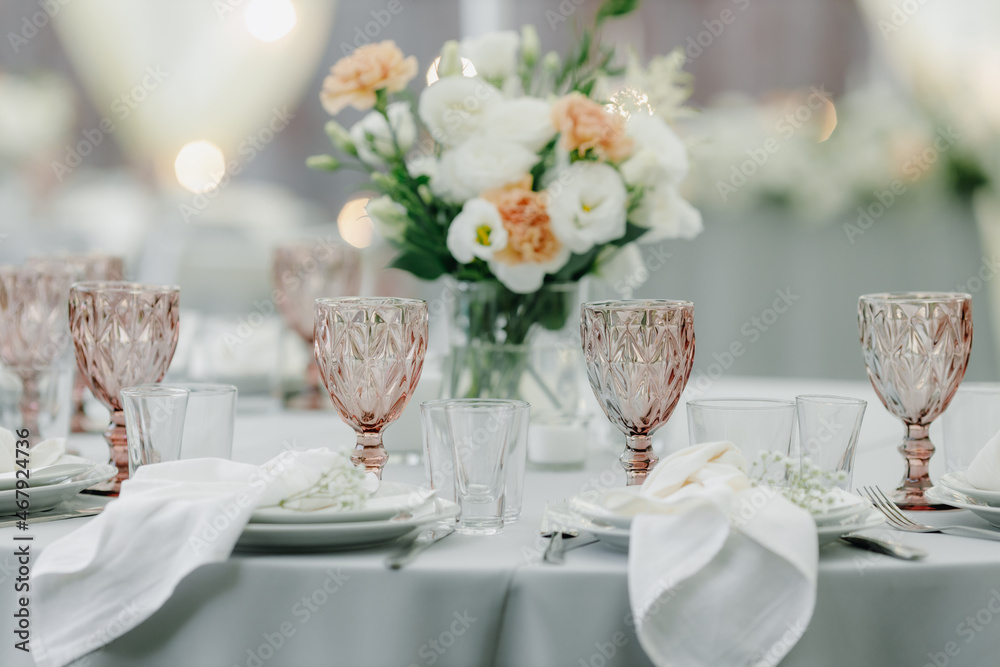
807, 485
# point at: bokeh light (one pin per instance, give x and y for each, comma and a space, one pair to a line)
200, 166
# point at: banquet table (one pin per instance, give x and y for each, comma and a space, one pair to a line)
491, 601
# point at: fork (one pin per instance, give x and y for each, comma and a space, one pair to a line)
900, 521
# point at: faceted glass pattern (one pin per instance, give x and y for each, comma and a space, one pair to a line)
639, 356
34, 330
370, 352
303, 272
124, 335
916, 347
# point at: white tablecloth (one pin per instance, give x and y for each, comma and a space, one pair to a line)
488, 601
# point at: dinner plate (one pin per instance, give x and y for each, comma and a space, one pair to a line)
845, 505
957, 481
390, 499
953, 498
868, 518
299, 537
46, 497
68, 466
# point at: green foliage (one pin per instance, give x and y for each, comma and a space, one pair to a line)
612, 8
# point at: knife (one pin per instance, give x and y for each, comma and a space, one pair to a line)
87, 511
423, 540
894, 549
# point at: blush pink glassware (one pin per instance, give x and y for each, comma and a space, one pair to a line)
303, 272
91, 266
916, 348
34, 331
370, 352
124, 335
639, 355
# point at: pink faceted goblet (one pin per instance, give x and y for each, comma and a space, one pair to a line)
370, 352
92, 266
639, 356
124, 335
34, 331
303, 272
916, 347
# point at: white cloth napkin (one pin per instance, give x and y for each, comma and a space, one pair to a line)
984, 471
43, 454
104, 579
719, 572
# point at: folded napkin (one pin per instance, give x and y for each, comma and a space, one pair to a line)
719, 572
984, 471
43, 454
104, 579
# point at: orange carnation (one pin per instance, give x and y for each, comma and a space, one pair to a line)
524, 216
354, 79
583, 124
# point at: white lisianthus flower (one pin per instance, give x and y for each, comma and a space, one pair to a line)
587, 205
454, 108
494, 55
477, 231
388, 216
667, 215
373, 138
524, 120
528, 277
623, 268
660, 155
482, 164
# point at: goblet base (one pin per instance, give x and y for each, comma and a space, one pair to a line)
911, 499
117, 440
917, 449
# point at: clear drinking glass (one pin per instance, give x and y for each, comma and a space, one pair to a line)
829, 427
639, 355
124, 335
154, 421
34, 330
439, 454
54, 404
303, 272
916, 348
479, 431
209, 421
370, 352
754, 425
972, 419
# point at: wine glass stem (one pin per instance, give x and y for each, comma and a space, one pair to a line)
638, 459
118, 443
370, 453
917, 449
29, 407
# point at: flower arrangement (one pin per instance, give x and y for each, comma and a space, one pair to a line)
807, 485
534, 170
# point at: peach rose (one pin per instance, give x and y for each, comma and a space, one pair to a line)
583, 124
524, 216
354, 79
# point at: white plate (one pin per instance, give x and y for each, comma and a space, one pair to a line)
47, 497
390, 499
298, 537
618, 538
847, 505
869, 518
956, 481
962, 501
68, 466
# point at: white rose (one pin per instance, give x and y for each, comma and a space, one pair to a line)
527, 277
454, 108
477, 231
524, 120
388, 216
660, 155
667, 215
587, 205
481, 164
494, 55
373, 138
